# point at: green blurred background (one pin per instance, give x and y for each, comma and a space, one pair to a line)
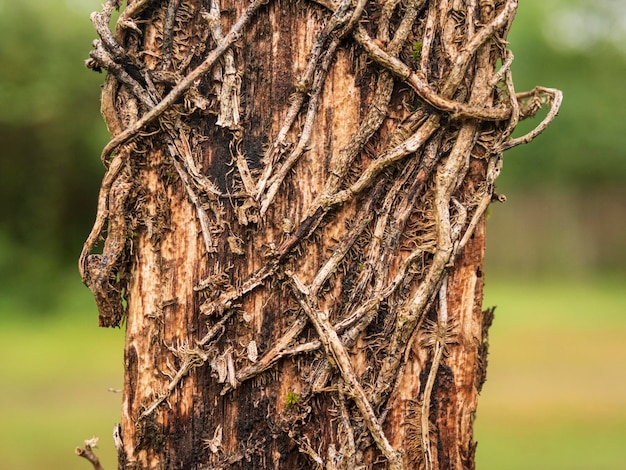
555, 397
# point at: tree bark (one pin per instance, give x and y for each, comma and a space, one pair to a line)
294, 210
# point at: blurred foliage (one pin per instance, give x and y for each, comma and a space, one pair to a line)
585, 147
51, 132
50, 135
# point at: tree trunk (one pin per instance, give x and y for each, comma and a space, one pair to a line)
294, 229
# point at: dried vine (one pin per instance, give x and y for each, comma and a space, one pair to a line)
399, 185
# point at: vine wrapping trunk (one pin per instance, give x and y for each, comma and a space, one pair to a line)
293, 224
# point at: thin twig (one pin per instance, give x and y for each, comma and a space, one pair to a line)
88, 453
554, 98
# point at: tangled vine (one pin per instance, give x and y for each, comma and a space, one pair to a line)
404, 177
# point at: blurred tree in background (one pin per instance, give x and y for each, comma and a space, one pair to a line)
566, 191
581, 46
50, 134
567, 194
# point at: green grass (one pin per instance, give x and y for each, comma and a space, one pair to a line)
55, 372
555, 397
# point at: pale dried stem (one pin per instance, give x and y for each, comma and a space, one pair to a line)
462, 61
104, 59
343, 23
126, 17
439, 348
411, 145
303, 87
168, 33
493, 171
183, 151
196, 359
203, 218
385, 17
413, 7
228, 115
226, 299
331, 265
188, 173
505, 68
243, 167
349, 454
417, 81
304, 446
335, 350
115, 169
447, 28
428, 38
100, 22
318, 84
185, 83
554, 98
515, 114
276, 353
376, 114
471, 19
279, 146
88, 454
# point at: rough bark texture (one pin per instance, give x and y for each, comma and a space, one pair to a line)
294, 227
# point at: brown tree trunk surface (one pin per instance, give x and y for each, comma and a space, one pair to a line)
294, 228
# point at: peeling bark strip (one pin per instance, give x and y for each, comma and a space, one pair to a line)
293, 224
